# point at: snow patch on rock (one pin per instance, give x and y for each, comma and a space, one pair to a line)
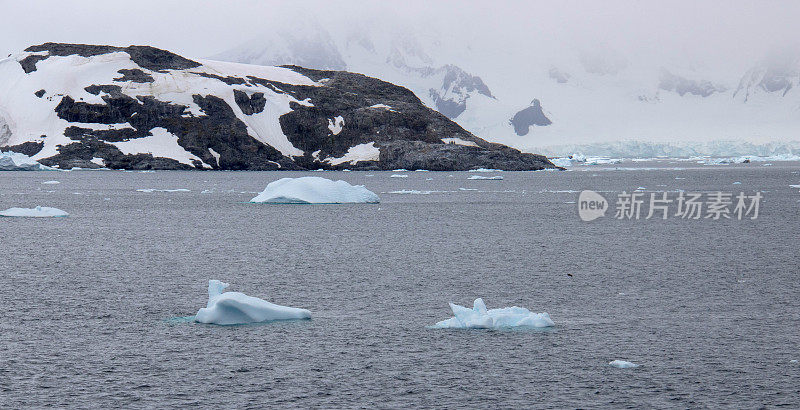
356, 154
161, 144
336, 124
459, 141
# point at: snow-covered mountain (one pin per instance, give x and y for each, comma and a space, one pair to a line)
140, 107
536, 94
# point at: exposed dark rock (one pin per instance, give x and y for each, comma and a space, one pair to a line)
135, 75
29, 148
81, 155
252, 104
227, 80
452, 157
533, 115
451, 98
29, 63
110, 135
39, 93
146, 57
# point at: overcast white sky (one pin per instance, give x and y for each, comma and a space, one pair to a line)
721, 30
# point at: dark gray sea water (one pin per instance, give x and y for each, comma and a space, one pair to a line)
93, 307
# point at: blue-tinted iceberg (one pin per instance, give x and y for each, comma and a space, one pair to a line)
234, 308
38, 212
14, 161
314, 190
480, 318
622, 364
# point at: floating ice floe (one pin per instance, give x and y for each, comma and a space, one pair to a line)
398, 176
622, 364
794, 186
50, 182
480, 318
562, 162
38, 212
14, 161
485, 170
410, 192
494, 178
149, 190
315, 190
234, 308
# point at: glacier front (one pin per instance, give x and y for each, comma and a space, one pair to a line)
314, 190
234, 308
480, 318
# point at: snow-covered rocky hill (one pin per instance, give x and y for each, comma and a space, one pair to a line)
139, 107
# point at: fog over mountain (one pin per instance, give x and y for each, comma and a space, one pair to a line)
527, 74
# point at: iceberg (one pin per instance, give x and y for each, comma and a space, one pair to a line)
314, 190
14, 161
480, 318
622, 364
234, 308
494, 178
38, 212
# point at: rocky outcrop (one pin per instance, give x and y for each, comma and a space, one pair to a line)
682, 86
169, 112
528, 117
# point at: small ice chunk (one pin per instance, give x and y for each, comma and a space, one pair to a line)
480, 318
485, 170
794, 186
622, 364
493, 178
233, 308
315, 190
50, 182
38, 212
398, 176
737, 183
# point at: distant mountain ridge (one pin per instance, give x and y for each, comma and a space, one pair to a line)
585, 96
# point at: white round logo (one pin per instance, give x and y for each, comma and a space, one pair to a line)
591, 205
